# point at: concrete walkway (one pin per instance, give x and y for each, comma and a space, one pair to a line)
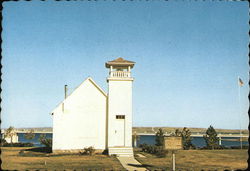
140, 155
131, 164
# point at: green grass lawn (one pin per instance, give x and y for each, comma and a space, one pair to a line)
32, 160
198, 160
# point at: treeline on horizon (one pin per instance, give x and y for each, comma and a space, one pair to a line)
150, 129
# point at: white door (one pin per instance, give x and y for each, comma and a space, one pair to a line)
120, 132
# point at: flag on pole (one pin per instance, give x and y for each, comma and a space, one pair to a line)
241, 83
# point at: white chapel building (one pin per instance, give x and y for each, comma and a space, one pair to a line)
91, 117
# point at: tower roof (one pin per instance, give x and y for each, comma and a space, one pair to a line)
119, 62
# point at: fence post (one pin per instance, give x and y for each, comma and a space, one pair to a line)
173, 157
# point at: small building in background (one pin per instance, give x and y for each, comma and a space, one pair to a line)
11, 137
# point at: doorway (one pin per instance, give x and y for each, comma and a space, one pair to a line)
120, 131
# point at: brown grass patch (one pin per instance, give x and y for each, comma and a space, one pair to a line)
11, 160
199, 159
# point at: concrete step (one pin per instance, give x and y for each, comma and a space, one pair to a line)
121, 151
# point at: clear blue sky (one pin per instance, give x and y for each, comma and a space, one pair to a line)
188, 56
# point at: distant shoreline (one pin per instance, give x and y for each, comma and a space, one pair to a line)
146, 129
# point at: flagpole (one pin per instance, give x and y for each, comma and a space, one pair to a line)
239, 111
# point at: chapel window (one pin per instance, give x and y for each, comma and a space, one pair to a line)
120, 116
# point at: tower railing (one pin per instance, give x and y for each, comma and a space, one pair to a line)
120, 74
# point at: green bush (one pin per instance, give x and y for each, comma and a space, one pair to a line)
162, 154
144, 147
153, 149
88, 151
186, 138
21, 152
17, 145
3, 141
45, 141
211, 138
30, 135
159, 137
238, 147
218, 147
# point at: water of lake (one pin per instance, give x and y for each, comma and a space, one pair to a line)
197, 141
35, 140
148, 139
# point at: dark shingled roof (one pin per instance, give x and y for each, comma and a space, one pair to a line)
119, 62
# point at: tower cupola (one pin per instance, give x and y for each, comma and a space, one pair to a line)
120, 68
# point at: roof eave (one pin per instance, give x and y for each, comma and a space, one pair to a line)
108, 64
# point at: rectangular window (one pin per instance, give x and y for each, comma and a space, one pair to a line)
120, 116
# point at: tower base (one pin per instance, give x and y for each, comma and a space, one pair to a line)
121, 151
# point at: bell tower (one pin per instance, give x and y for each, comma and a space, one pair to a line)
120, 107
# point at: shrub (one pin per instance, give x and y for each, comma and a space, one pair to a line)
153, 149
211, 138
3, 141
88, 151
21, 152
245, 146
218, 147
30, 135
186, 138
105, 152
17, 145
160, 152
238, 147
144, 147
45, 141
159, 139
